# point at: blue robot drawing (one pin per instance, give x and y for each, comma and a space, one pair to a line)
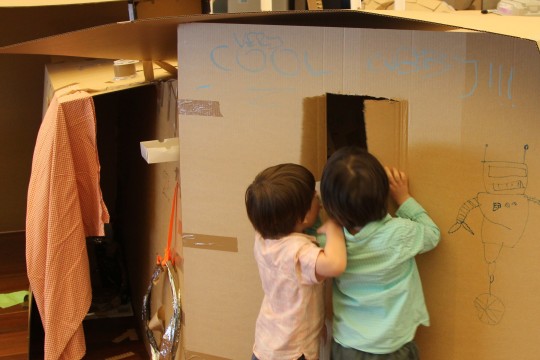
505, 210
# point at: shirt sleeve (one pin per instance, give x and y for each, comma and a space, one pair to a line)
306, 259
423, 233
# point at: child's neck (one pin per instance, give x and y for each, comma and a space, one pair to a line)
300, 227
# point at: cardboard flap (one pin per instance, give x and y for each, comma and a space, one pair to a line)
155, 38
141, 40
516, 26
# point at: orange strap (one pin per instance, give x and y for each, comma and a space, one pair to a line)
167, 255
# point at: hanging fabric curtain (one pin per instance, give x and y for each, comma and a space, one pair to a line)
64, 206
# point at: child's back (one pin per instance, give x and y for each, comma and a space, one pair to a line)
281, 204
378, 301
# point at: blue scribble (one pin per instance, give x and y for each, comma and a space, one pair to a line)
240, 58
431, 64
509, 85
310, 68
213, 57
280, 69
475, 82
255, 52
426, 63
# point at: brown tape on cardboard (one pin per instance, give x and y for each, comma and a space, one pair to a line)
192, 355
199, 107
210, 242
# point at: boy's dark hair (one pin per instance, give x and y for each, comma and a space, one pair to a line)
278, 198
354, 187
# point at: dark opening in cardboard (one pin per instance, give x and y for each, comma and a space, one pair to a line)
345, 121
332, 121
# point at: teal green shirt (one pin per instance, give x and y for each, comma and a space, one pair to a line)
378, 301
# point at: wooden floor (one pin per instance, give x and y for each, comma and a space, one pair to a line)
106, 338
13, 320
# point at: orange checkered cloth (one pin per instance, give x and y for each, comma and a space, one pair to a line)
64, 206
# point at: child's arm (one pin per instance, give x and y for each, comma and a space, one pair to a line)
332, 261
428, 234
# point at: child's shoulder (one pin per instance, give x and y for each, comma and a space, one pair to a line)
302, 238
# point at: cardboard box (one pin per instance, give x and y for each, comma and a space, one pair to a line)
138, 195
463, 92
463, 81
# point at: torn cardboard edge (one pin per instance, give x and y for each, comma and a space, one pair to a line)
210, 242
155, 38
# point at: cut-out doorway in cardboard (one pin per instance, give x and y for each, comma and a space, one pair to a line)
332, 121
345, 122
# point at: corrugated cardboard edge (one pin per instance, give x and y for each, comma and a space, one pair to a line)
155, 38
193, 355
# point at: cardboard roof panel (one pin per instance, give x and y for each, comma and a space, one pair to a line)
32, 3
155, 38
23, 23
142, 40
525, 27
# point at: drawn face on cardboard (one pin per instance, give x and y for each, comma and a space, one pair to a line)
501, 177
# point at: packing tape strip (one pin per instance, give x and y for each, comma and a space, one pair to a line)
199, 107
124, 69
210, 242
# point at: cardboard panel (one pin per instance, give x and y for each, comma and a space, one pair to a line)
463, 90
154, 9
43, 19
155, 38
28, 3
96, 76
386, 127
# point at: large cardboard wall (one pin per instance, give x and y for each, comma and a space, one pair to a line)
464, 91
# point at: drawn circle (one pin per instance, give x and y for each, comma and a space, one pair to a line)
490, 308
253, 60
214, 57
285, 61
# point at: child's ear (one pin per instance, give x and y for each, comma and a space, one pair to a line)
300, 225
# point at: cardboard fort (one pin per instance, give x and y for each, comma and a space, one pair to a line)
451, 98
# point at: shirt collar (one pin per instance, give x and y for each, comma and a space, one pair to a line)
367, 230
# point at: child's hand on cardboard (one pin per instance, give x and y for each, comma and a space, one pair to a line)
399, 185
